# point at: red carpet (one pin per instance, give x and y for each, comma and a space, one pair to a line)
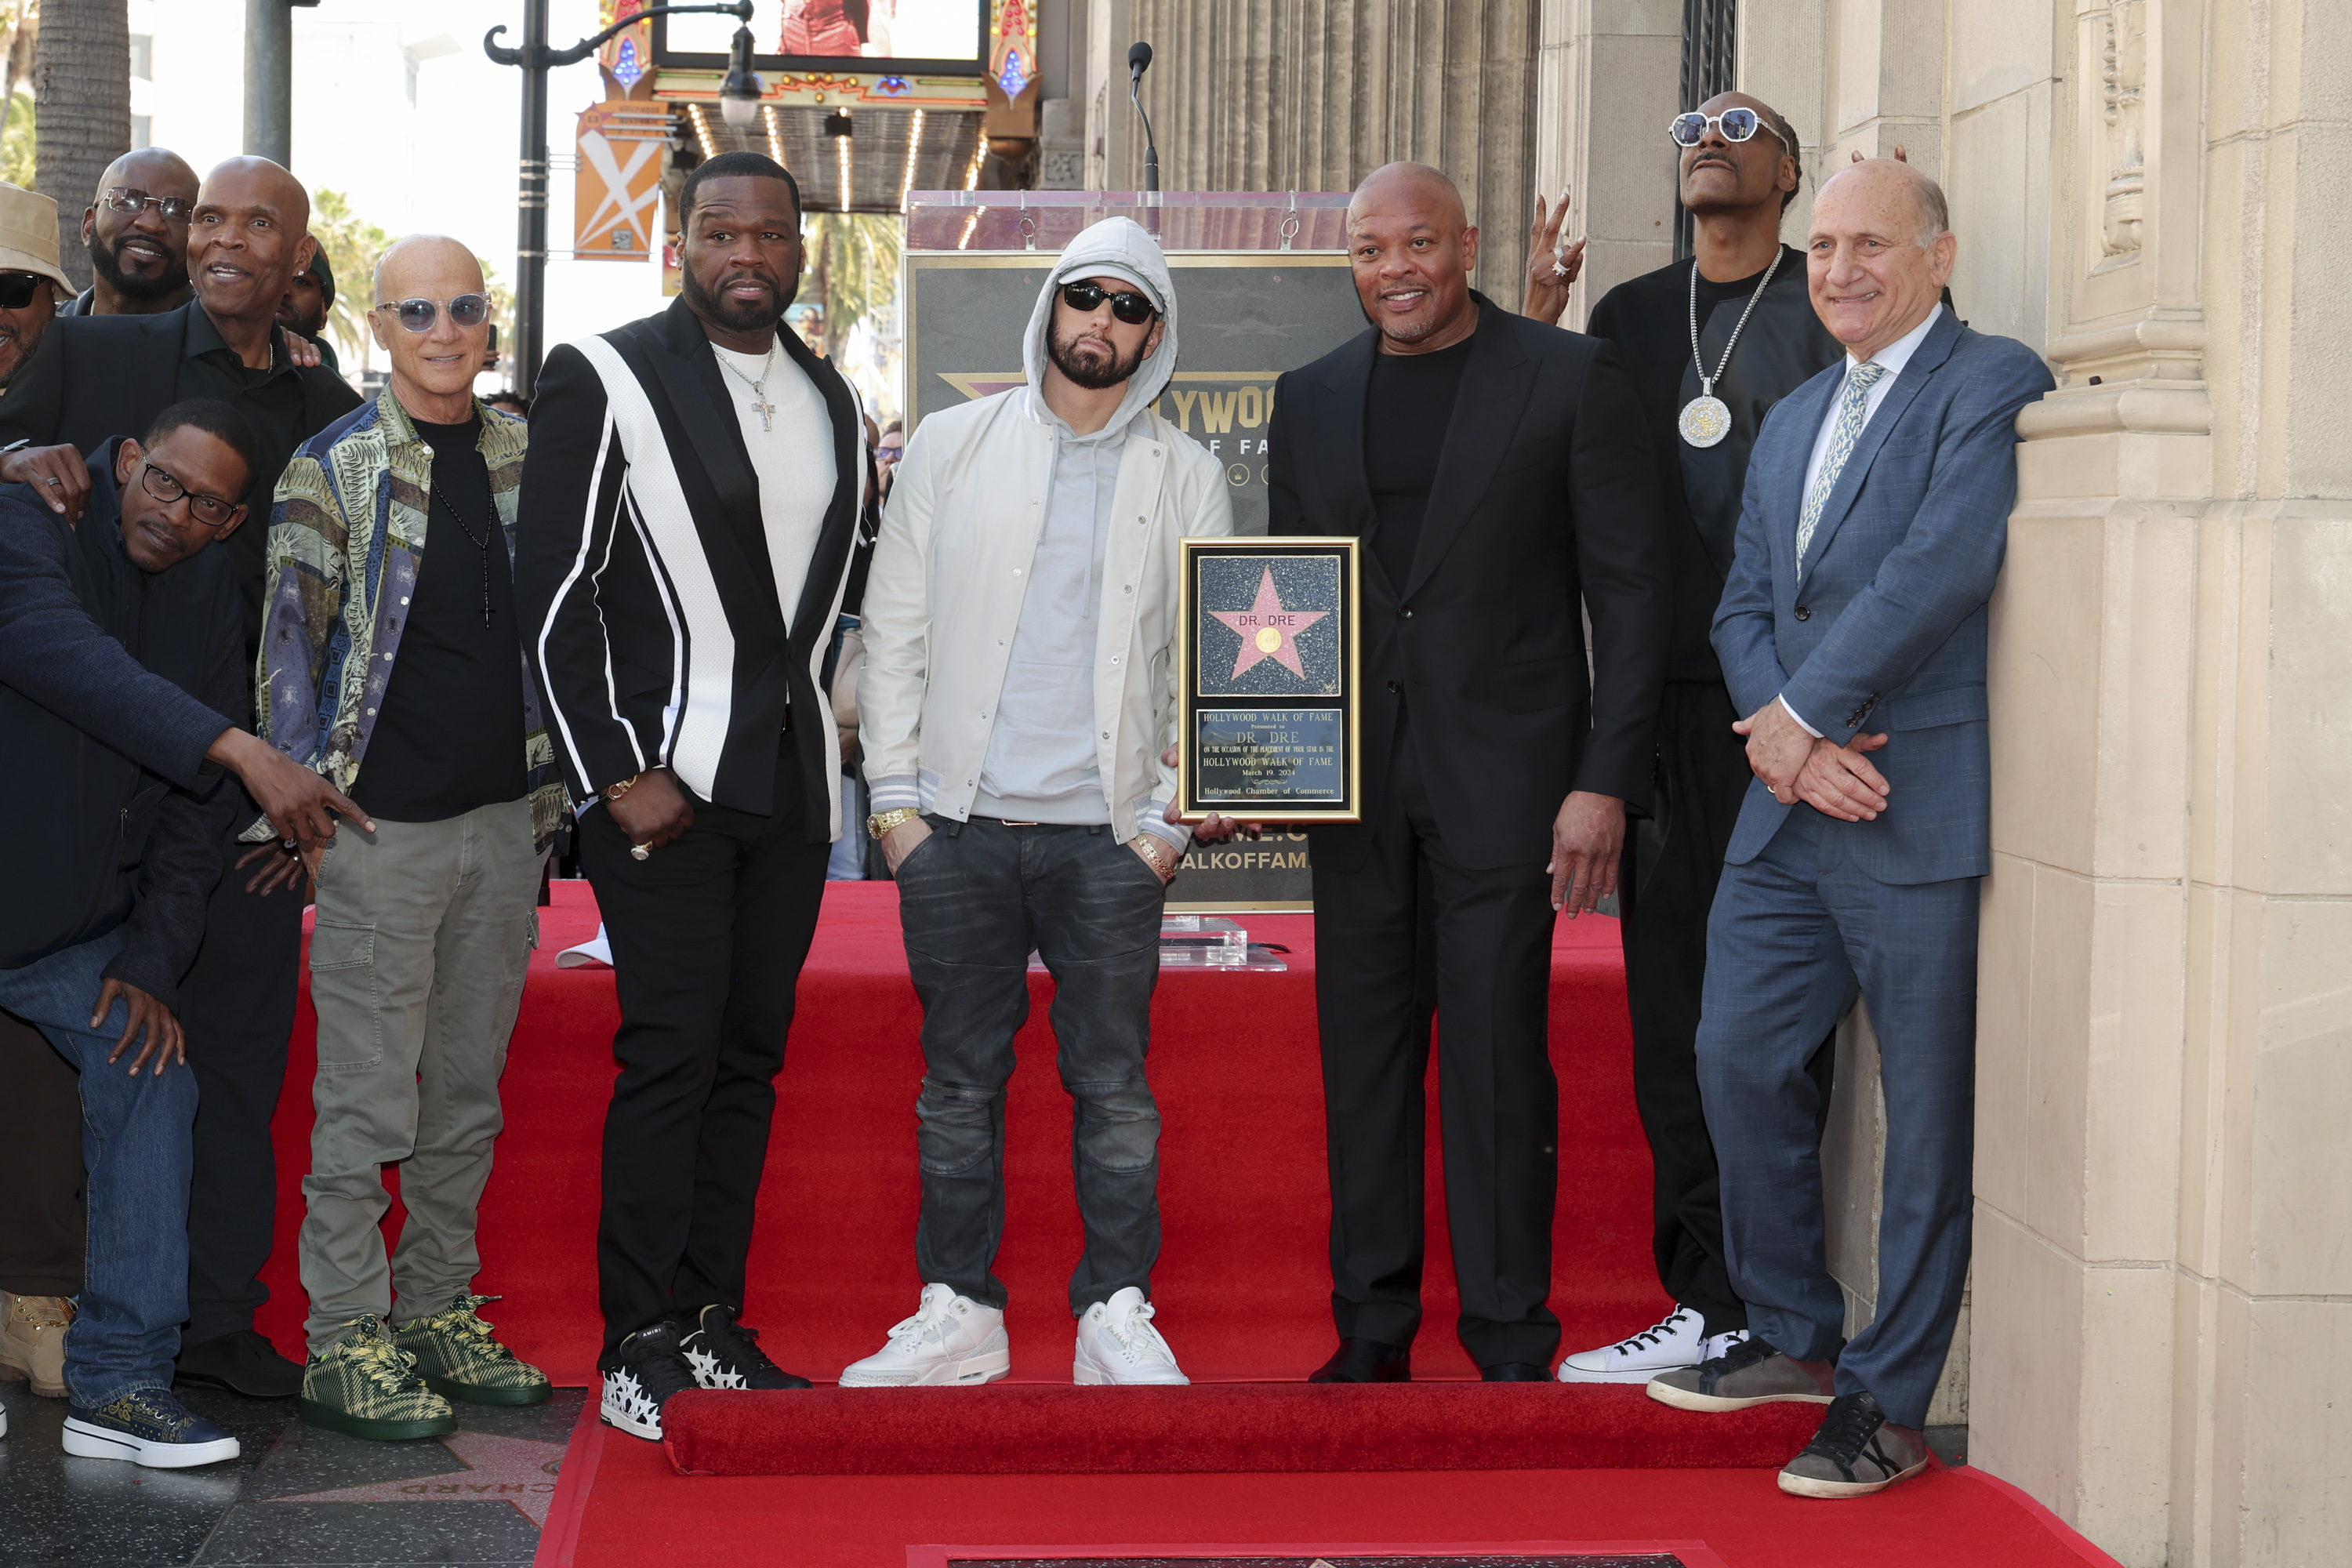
1226, 1426
639, 1513
1243, 1285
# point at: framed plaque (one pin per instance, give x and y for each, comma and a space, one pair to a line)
1266, 656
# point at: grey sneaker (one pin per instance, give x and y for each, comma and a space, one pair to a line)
1854, 1454
1751, 1373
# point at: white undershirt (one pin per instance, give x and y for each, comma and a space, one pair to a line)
1893, 356
793, 460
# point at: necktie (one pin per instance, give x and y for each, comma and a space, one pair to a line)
1854, 407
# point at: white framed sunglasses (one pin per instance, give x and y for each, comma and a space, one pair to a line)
1690, 128
419, 315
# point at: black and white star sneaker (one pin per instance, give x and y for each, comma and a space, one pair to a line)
640, 1377
723, 1353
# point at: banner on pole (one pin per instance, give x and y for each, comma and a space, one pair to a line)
617, 191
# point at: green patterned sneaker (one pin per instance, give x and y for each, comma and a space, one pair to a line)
461, 1358
366, 1385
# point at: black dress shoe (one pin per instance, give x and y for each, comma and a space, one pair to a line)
1365, 1360
1515, 1372
243, 1363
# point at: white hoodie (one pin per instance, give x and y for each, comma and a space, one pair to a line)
960, 548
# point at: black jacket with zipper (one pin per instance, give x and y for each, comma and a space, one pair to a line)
113, 682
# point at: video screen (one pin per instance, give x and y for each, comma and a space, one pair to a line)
844, 29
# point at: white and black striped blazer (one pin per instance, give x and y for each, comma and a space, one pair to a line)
642, 571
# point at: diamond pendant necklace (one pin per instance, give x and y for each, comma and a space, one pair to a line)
1705, 419
759, 404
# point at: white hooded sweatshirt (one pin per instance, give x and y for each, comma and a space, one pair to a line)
1020, 617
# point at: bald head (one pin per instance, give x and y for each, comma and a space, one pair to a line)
1876, 183
1416, 183
1411, 248
158, 170
1878, 253
248, 240
426, 266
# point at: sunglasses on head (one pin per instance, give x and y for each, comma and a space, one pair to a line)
1127, 304
419, 315
1737, 125
131, 199
18, 290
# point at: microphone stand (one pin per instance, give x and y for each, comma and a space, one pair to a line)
1138, 59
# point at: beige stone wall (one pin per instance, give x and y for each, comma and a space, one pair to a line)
1275, 95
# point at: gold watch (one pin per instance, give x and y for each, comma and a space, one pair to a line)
882, 823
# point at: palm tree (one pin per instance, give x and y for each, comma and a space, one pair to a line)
81, 76
852, 269
352, 245
20, 23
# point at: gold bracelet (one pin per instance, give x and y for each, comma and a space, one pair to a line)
883, 823
1152, 847
616, 791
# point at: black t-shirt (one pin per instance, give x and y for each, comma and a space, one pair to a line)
450, 736
1407, 409
1648, 318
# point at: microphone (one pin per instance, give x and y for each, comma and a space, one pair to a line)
1139, 57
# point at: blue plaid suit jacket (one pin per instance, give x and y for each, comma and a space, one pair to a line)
1885, 631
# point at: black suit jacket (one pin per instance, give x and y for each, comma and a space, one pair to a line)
640, 550
1545, 506
97, 377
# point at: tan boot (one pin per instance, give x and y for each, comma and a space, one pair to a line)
33, 1342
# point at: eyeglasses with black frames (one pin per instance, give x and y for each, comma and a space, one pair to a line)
419, 315
208, 511
1127, 305
1736, 125
131, 199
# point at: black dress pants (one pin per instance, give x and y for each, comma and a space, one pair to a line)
238, 1007
1490, 931
708, 935
1672, 861
41, 1241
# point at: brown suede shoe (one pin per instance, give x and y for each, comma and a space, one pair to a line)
1857, 1452
1751, 1373
33, 1342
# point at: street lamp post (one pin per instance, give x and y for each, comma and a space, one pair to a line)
738, 102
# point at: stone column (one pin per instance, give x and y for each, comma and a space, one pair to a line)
2164, 1068
1607, 74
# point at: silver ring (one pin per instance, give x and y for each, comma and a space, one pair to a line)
56, 481
1560, 269
640, 851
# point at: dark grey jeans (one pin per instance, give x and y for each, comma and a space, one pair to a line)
974, 898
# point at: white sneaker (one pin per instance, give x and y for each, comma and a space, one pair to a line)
1117, 1344
951, 1340
1680, 1340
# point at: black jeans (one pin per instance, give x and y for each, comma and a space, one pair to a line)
238, 1006
707, 934
974, 898
1411, 919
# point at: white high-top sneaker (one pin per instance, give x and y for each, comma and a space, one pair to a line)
1680, 1340
1117, 1344
951, 1340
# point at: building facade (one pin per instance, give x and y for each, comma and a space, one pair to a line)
2148, 192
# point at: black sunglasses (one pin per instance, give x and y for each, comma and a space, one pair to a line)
1127, 304
419, 315
210, 511
17, 290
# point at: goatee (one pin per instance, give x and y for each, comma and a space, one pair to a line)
107, 262
737, 316
1095, 375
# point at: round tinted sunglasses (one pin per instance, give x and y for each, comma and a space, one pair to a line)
419, 315
132, 200
1736, 125
1127, 305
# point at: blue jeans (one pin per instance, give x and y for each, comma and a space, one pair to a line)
136, 1145
974, 898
